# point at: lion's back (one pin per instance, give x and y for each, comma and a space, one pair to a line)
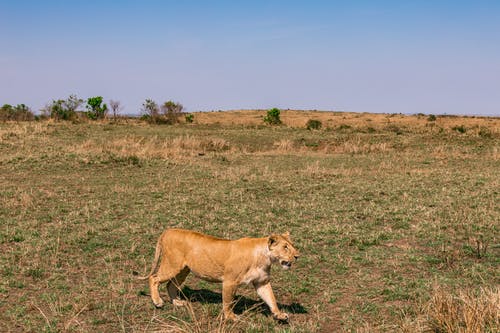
204, 255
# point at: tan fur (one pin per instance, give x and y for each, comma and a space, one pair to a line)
232, 262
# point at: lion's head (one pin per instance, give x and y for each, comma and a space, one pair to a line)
282, 250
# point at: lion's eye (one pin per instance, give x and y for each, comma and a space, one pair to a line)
286, 247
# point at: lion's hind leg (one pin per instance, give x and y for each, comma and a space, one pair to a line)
174, 286
168, 271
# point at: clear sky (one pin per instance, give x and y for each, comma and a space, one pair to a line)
408, 56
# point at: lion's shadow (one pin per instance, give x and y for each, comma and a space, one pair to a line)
243, 303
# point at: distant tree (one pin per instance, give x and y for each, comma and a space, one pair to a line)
115, 107
6, 112
55, 110
96, 108
273, 117
20, 112
72, 103
150, 111
23, 113
63, 109
172, 111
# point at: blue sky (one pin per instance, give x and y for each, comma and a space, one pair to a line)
366, 56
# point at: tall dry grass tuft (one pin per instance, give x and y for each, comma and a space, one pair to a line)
495, 154
358, 147
284, 145
468, 312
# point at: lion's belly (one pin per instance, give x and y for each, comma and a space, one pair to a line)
210, 277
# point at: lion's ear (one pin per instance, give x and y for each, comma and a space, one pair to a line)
271, 240
286, 235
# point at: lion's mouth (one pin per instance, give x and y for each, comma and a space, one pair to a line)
286, 264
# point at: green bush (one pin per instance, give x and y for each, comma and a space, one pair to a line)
459, 129
172, 111
431, 118
63, 109
96, 109
189, 118
273, 117
56, 110
5, 112
394, 128
313, 124
150, 111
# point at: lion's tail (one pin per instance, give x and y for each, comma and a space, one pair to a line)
156, 260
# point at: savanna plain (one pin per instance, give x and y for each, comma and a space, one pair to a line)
396, 217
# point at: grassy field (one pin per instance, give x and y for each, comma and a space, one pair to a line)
396, 217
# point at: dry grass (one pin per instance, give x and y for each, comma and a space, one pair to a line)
24, 131
284, 145
196, 322
466, 312
357, 146
383, 207
188, 146
153, 147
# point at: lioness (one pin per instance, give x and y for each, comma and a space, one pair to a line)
232, 262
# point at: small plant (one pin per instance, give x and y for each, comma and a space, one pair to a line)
273, 117
478, 246
459, 129
485, 133
344, 127
35, 273
189, 118
395, 129
96, 109
448, 256
431, 118
313, 124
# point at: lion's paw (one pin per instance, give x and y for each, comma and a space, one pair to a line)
179, 302
231, 316
281, 316
159, 303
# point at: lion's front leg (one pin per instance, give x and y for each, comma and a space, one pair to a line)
266, 293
